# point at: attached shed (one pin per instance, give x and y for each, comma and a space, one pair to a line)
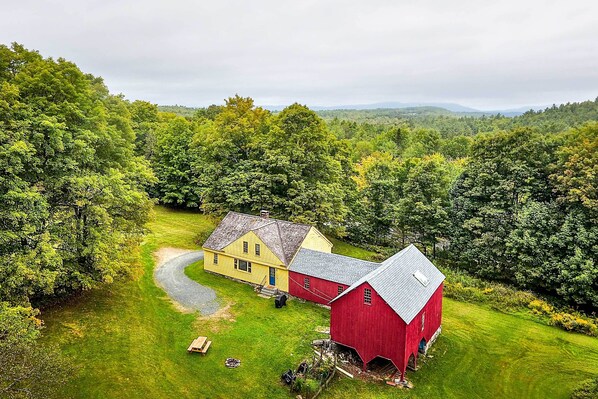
392, 312
320, 277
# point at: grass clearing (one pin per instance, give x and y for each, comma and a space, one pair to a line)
131, 342
344, 248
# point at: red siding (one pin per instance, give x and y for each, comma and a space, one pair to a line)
372, 330
433, 319
376, 330
320, 291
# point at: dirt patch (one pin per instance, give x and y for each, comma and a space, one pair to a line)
221, 314
165, 254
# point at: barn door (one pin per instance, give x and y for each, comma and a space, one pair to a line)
272, 276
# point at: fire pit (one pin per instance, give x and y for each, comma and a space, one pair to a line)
232, 363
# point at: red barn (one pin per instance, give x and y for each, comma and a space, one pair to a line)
393, 312
320, 277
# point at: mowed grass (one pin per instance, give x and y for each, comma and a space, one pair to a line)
179, 228
344, 248
130, 342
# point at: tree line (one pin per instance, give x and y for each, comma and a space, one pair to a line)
73, 202
516, 205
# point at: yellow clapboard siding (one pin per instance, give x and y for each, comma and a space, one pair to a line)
226, 266
260, 264
266, 256
316, 241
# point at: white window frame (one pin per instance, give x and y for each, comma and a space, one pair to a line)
367, 296
215, 261
245, 247
239, 262
258, 250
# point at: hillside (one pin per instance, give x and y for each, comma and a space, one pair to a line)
129, 331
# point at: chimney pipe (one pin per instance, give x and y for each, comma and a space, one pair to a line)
265, 214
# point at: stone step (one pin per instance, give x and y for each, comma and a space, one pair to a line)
269, 290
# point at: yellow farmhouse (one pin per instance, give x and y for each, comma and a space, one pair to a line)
258, 249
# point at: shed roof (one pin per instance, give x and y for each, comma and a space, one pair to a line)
282, 238
396, 282
331, 267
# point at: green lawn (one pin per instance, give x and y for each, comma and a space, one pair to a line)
130, 342
343, 248
179, 228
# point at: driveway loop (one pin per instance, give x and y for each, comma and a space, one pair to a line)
181, 289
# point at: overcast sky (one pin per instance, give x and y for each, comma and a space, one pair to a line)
483, 54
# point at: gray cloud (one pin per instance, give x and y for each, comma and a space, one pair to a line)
479, 53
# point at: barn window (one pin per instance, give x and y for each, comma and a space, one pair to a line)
243, 265
423, 320
367, 296
257, 249
215, 259
245, 247
340, 289
306, 282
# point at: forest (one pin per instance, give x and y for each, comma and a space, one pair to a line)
515, 205
512, 200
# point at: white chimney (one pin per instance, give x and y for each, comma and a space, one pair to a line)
265, 214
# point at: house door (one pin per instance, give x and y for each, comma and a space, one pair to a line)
272, 276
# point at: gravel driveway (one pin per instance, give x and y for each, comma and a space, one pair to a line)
171, 277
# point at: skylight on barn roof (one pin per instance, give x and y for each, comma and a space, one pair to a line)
421, 278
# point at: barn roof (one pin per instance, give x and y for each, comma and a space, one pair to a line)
282, 238
332, 267
405, 281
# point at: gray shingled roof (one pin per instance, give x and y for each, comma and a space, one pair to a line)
336, 268
282, 238
394, 281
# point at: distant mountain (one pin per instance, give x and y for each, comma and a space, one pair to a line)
385, 105
411, 108
451, 107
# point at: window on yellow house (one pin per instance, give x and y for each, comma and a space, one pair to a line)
215, 259
245, 247
257, 249
243, 265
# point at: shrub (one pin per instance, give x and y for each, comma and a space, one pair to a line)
586, 390
306, 386
575, 323
540, 307
202, 236
311, 386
